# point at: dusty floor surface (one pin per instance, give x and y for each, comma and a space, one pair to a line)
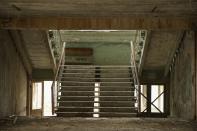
102, 124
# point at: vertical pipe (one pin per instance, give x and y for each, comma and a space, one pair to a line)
159, 99
195, 64
148, 99
28, 101
167, 96
31, 97
42, 98
52, 97
139, 99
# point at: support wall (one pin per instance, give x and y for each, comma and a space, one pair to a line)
13, 78
182, 80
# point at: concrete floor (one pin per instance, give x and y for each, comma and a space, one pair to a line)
103, 124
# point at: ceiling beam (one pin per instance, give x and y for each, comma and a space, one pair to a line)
19, 43
99, 23
98, 36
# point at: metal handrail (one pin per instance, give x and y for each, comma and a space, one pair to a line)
134, 63
135, 73
56, 75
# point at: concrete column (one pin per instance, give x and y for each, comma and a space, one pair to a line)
195, 35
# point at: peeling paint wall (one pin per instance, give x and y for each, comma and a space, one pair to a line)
13, 78
182, 86
107, 53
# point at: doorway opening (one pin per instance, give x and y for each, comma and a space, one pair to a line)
152, 100
41, 99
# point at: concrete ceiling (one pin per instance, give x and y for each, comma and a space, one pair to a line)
161, 48
99, 36
161, 44
37, 47
97, 7
98, 14
159, 53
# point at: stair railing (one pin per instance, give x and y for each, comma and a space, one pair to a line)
135, 76
58, 69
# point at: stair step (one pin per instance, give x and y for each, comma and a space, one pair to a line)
97, 91
111, 73
94, 82
76, 97
95, 107
99, 96
100, 86
97, 112
94, 78
94, 101
100, 66
100, 99
94, 69
104, 114
102, 105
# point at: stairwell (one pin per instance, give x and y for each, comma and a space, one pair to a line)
100, 91
96, 90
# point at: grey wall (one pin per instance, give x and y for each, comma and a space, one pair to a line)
107, 53
182, 87
13, 79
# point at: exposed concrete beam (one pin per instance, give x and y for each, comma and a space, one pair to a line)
152, 76
42, 74
50, 51
37, 46
195, 68
17, 39
119, 23
98, 36
180, 40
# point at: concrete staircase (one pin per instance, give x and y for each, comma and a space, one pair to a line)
96, 91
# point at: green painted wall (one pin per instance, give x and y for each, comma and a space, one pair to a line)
107, 53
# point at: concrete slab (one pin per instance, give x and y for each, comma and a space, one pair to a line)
104, 124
